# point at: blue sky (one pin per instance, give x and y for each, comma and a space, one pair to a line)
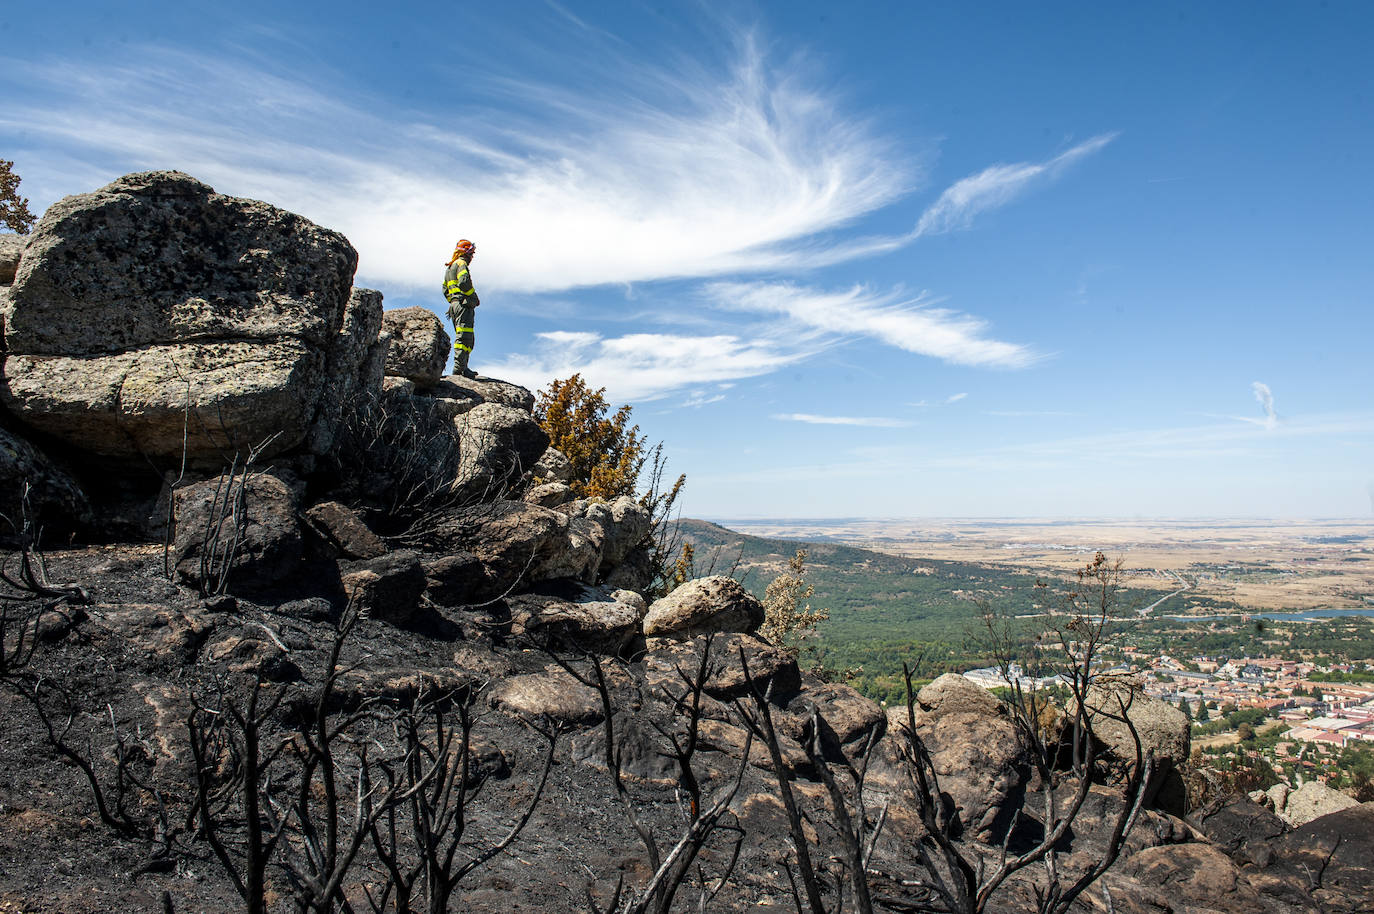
1006, 259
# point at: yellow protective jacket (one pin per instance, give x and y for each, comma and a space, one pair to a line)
458, 288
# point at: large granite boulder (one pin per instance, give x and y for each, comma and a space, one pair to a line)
553, 695
483, 390
703, 606
342, 532
1331, 859
419, 345
1311, 801
155, 315
592, 619
496, 446
1196, 878
352, 371
387, 587
1240, 827
1163, 729
238, 533
668, 665
625, 521
514, 543
847, 719
973, 745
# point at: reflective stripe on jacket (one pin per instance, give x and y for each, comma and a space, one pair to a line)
458, 288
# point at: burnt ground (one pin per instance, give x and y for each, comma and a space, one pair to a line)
144, 644
127, 662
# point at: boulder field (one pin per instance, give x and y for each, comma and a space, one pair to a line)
236, 481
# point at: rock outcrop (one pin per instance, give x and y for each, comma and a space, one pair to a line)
496, 447
701, 607
419, 345
1307, 802
239, 532
155, 316
973, 746
1163, 729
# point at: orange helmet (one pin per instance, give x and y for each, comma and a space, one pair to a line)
463, 248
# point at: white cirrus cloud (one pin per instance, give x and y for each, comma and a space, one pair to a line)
997, 185
955, 398
866, 421
641, 366
1265, 397
739, 161
912, 324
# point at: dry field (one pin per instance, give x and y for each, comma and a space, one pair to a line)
1258, 564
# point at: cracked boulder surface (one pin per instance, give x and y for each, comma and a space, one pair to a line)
155, 311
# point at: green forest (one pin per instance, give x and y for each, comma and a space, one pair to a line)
886, 610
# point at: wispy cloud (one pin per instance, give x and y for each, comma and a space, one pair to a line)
1024, 413
867, 421
997, 185
1104, 452
1266, 401
698, 398
912, 324
641, 366
740, 161
955, 398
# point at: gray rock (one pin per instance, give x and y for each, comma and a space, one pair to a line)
636, 572
496, 446
164, 639
1240, 827
549, 495
485, 390
973, 746
702, 606
667, 662
419, 345
595, 620
847, 718
1197, 877
251, 650
456, 579
11, 250
554, 466
154, 299
1164, 730
386, 588
577, 556
625, 521
353, 369
516, 543
1312, 801
55, 501
245, 528
1340, 847
343, 531
397, 685
553, 694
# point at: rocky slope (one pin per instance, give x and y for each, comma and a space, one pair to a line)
264, 560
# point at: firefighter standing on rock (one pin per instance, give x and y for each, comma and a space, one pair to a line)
462, 305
